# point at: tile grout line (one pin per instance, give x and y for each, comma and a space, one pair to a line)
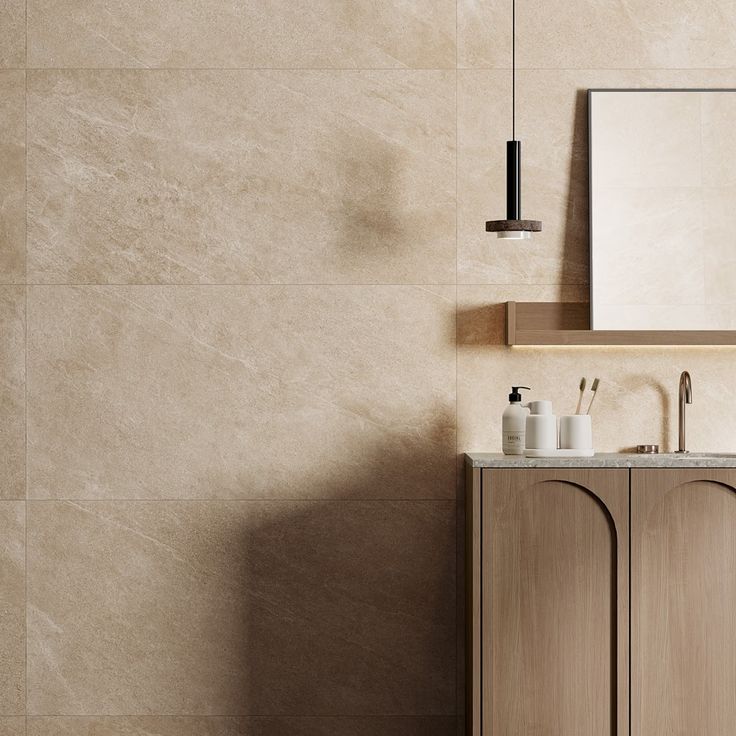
290, 285
316, 69
254, 284
242, 716
457, 247
202, 499
25, 376
126, 69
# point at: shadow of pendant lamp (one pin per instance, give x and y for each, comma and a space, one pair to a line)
513, 227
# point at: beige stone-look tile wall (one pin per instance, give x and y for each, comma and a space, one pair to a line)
249, 318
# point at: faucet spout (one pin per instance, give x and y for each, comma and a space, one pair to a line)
685, 397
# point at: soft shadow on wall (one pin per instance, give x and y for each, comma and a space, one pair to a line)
394, 221
371, 222
577, 221
350, 603
333, 607
318, 617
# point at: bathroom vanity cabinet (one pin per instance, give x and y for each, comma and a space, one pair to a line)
601, 596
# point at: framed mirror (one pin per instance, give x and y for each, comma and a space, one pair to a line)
663, 209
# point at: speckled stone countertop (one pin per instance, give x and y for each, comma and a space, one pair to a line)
604, 460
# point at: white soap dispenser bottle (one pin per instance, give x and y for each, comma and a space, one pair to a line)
514, 423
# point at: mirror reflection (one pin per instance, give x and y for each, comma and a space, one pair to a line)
663, 209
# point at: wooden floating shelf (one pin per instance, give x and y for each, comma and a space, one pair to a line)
568, 323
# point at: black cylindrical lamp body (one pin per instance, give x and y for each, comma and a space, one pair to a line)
513, 180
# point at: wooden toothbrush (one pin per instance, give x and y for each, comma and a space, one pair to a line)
580, 398
594, 389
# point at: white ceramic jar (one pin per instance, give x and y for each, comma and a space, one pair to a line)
541, 426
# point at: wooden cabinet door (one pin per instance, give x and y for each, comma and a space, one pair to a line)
555, 602
683, 574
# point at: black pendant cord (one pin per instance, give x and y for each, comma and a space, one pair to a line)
513, 70
513, 147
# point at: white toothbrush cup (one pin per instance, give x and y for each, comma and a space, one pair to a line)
576, 432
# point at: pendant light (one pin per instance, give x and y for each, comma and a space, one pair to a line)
513, 227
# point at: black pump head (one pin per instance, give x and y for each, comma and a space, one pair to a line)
515, 396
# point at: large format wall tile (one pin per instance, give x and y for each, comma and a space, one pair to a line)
241, 392
232, 33
637, 398
552, 124
590, 34
258, 607
12, 392
14, 726
241, 177
254, 726
13, 179
12, 609
484, 34
12, 37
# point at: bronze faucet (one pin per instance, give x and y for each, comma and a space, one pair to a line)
686, 397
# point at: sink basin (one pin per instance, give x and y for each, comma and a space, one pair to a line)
702, 455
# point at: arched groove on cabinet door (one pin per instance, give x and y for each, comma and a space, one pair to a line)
601, 503
710, 481
683, 601
614, 589
559, 590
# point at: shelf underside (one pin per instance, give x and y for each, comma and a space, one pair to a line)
568, 323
